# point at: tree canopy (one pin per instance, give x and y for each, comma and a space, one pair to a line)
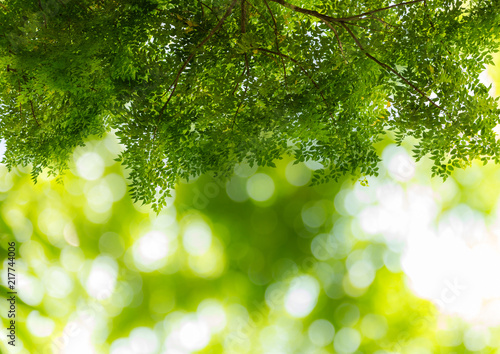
194, 87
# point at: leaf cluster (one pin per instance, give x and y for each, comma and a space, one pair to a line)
193, 87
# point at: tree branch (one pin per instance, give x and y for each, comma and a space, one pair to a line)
306, 11
338, 19
366, 28
276, 38
338, 39
301, 68
201, 44
243, 17
353, 36
383, 21
20, 109
239, 80
211, 9
405, 80
33, 112
239, 106
244, 30
43, 13
257, 10
60, 2
356, 17
387, 67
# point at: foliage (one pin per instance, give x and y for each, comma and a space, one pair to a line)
192, 87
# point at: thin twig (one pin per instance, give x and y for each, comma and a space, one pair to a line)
338, 19
211, 9
33, 112
390, 69
243, 17
239, 106
405, 80
434, 28
353, 36
383, 21
238, 81
43, 13
306, 11
215, 29
301, 68
247, 64
257, 10
60, 2
356, 17
244, 30
20, 109
364, 27
277, 40
338, 39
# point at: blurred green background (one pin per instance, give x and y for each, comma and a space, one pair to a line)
261, 264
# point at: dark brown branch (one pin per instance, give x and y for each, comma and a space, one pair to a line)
244, 30
353, 36
338, 19
239, 80
201, 44
239, 106
20, 109
366, 28
301, 68
83, 7
295, 62
338, 39
434, 28
384, 22
277, 40
43, 13
243, 17
356, 17
33, 112
211, 9
247, 64
3, 6
405, 80
306, 11
90, 88
387, 67
257, 10
60, 2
